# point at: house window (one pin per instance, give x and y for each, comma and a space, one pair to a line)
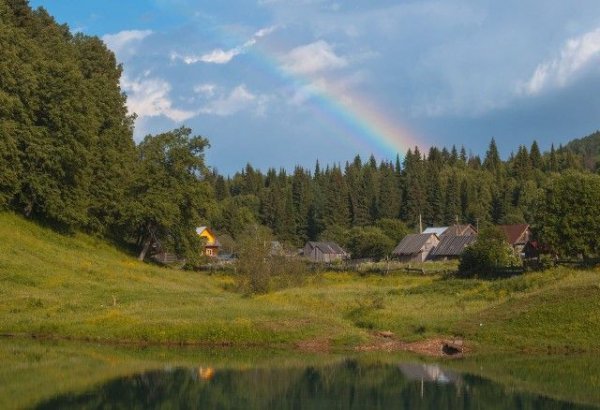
209, 252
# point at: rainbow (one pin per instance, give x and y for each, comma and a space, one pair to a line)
360, 121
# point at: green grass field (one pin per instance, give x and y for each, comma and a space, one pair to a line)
82, 288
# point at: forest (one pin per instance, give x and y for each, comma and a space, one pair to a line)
69, 160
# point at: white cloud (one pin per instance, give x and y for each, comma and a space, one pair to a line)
120, 41
207, 90
220, 56
313, 58
576, 55
238, 99
149, 97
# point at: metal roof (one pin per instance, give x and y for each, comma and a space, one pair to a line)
328, 248
452, 245
412, 243
438, 230
460, 230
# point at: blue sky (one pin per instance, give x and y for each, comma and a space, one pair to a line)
283, 82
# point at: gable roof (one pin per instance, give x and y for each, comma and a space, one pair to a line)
452, 245
412, 243
513, 232
204, 229
438, 230
331, 248
458, 230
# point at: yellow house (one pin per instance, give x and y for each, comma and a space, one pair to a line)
211, 246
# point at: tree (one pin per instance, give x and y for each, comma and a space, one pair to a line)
254, 262
369, 242
492, 160
490, 252
568, 219
169, 197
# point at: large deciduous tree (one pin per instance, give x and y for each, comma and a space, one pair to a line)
170, 196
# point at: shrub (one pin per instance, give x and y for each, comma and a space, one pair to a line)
488, 254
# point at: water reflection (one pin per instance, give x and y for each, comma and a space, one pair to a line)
348, 384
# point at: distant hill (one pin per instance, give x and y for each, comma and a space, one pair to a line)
589, 148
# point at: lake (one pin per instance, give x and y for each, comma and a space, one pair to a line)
57, 375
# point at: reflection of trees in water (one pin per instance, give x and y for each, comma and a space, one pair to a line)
349, 384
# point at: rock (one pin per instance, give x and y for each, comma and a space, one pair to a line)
385, 333
452, 348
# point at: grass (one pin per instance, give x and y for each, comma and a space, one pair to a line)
79, 287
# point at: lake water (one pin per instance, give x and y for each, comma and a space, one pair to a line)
62, 376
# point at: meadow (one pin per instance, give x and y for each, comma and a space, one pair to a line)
81, 288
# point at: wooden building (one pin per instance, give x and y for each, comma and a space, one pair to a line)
325, 252
460, 230
451, 246
517, 236
211, 244
415, 247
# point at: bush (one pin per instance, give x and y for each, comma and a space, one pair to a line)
488, 254
259, 269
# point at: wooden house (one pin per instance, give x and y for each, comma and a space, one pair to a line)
415, 247
517, 236
325, 252
451, 246
211, 244
460, 230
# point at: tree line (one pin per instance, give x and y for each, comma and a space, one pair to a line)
368, 206
68, 159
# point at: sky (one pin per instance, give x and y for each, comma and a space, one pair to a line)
279, 83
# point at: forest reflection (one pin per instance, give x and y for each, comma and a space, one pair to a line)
348, 385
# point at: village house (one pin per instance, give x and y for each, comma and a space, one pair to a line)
451, 246
325, 252
415, 247
460, 230
211, 244
517, 236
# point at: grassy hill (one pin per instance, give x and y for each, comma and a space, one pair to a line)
79, 287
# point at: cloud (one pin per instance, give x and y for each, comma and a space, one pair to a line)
149, 97
238, 99
313, 58
576, 55
207, 90
220, 56
119, 41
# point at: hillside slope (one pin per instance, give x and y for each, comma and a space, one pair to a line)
81, 288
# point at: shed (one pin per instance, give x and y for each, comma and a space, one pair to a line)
415, 247
452, 246
325, 252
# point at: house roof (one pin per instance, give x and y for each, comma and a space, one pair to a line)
328, 247
412, 243
513, 232
201, 229
438, 230
452, 245
458, 230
